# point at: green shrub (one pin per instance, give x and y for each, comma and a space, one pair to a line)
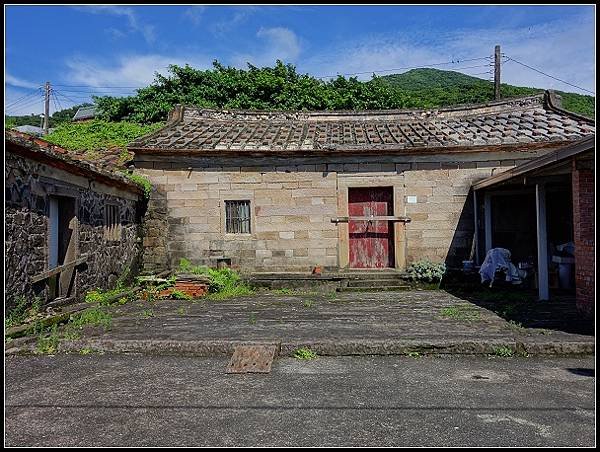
223, 282
426, 271
140, 180
179, 295
22, 311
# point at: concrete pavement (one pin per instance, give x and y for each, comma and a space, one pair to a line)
126, 400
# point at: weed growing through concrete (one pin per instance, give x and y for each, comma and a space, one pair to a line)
415, 355
147, 313
85, 351
304, 353
308, 303
95, 317
22, 311
47, 342
181, 311
283, 291
252, 319
461, 312
504, 351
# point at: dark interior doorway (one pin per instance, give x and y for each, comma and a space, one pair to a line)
62, 244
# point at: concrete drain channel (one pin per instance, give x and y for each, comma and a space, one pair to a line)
252, 359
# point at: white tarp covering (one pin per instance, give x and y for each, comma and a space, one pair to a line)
498, 259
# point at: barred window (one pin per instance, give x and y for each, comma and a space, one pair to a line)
112, 224
237, 217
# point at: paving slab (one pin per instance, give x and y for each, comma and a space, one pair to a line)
383, 323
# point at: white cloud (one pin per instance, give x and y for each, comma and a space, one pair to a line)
240, 15
564, 49
129, 70
194, 14
15, 81
135, 25
279, 43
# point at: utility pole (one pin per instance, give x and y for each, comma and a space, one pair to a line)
46, 108
497, 73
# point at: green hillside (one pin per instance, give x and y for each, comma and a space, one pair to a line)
436, 88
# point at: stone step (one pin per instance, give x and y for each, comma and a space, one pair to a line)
379, 288
375, 282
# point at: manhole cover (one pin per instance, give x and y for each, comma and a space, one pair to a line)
252, 359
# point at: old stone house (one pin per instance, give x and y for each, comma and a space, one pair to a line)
290, 191
69, 226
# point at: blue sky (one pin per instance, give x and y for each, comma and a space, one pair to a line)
82, 50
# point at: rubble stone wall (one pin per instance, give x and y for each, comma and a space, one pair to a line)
28, 188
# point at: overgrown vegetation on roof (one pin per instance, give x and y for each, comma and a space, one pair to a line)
96, 135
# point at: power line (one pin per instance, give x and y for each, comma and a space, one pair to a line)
22, 99
26, 104
408, 67
551, 76
94, 87
67, 97
57, 99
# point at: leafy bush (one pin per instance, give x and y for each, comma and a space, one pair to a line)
281, 87
426, 271
223, 282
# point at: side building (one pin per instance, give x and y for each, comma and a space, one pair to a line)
69, 226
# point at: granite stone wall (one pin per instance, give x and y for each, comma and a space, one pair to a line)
28, 188
293, 201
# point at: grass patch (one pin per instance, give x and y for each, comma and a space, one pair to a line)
47, 341
461, 312
147, 313
22, 311
505, 352
94, 317
308, 303
180, 295
305, 353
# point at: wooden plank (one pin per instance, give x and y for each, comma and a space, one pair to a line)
55, 271
487, 212
374, 218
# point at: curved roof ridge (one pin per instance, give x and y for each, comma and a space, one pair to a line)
527, 102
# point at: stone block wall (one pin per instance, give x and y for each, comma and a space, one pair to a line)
293, 201
583, 221
28, 187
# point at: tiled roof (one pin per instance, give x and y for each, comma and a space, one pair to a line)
57, 156
513, 121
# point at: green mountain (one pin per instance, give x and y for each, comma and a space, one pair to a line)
437, 88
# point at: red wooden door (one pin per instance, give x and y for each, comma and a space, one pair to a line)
371, 241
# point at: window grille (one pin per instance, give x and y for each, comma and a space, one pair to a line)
112, 224
237, 217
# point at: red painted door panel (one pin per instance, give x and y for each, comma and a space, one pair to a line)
371, 242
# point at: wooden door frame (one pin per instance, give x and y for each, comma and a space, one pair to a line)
395, 180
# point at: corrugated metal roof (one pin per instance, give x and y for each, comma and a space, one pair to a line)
85, 113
